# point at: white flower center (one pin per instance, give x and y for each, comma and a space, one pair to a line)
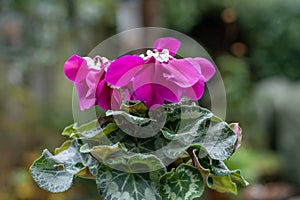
96, 62
163, 56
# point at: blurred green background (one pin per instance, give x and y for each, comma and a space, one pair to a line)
254, 43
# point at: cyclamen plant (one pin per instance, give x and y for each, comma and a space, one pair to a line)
154, 141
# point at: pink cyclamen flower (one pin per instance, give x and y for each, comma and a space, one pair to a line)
88, 75
158, 76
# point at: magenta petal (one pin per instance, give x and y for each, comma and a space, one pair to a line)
168, 92
92, 79
104, 95
154, 94
72, 65
108, 98
144, 77
196, 91
85, 101
169, 43
143, 86
149, 95
116, 100
122, 70
147, 87
86, 83
207, 68
174, 92
152, 74
183, 72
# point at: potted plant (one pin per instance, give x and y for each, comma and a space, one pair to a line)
153, 141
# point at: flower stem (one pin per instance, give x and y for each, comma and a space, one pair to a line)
194, 158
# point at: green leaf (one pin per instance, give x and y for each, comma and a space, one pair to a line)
237, 177
219, 141
190, 125
181, 112
144, 145
130, 124
137, 145
69, 130
54, 173
219, 177
184, 183
185, 124
135, 108
63, 147
99, 131
222, 184
118, 185
168, 134
118, 156
189, 122
144, 163
227, 183
104, 152
136, 163
140, 127
73, 130
216, 174
94, 133
88, 126
123, 117
91, 169
92, 164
